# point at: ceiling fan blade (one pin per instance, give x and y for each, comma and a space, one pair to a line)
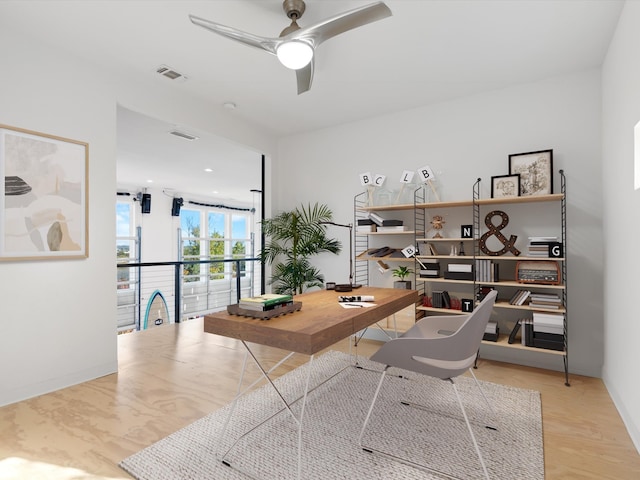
264, 43
304, 76
326, 29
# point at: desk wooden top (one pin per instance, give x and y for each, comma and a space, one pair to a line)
321, 322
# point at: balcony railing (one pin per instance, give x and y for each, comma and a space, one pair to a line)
154, 293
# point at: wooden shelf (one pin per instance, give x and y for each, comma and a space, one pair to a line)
445, 239
444, 280
387, 258
554, 197
503, 342
507, 305
403, 232
448, 257
443, 311
519, 258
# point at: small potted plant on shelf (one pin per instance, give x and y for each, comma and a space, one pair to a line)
402, 273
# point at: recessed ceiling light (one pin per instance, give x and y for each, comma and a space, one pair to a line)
214, 191
208, 170
149, 181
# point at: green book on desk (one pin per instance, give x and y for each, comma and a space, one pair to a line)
264, 302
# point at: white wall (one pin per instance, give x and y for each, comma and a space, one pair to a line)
58, 318
463, 140
621, 112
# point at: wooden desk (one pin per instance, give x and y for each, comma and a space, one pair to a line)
321, 322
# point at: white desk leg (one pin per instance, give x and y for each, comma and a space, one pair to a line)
287, 405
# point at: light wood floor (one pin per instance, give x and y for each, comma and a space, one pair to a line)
175, 374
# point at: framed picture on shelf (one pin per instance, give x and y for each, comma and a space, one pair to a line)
44, 215
535, 170
504, 186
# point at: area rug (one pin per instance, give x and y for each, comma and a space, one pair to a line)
435, 435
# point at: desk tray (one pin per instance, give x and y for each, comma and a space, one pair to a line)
243, 312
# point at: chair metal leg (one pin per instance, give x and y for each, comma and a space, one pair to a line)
409, 462
493, 412
375, 396
473, 437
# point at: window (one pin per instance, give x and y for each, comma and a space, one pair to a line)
190, 221
239, 241
227, 237
216, 223
125, 242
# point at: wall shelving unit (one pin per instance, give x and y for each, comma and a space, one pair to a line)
507, 284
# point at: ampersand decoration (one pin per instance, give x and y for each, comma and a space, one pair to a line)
509, 244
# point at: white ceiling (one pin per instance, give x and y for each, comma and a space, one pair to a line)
428, 51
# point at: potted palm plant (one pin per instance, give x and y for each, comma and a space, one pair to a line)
402, 272
292, 238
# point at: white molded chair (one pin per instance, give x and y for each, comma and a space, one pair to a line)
442, 347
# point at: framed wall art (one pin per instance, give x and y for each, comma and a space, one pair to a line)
43, 201
503, 186
535, 170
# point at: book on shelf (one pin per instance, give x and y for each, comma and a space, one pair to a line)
268, 301
519, 297
383, 222
548, 322
458, 275
364, 221
427, 248
491, 332
544, 306
391, 228
460, 267
483, 290
543, 239
440, 299
514, 331
544, 247
487, 271
527, 332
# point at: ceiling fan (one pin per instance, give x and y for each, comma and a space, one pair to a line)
295, 46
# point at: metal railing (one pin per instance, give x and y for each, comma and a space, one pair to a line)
179, 295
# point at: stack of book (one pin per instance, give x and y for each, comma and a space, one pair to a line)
429, 268
427, 248
547, 301
266, 302
520, 297
441, 299
487, 271
492, 332
392, 228
383, 222
459, 271
365, 225
483, 291
547, 330
542, 246
540, 332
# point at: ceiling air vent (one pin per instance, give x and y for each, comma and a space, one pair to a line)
186, 136
170, 73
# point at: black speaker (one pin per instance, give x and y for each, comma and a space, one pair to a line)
175, 207
146, 203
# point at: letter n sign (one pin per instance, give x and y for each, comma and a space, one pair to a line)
466, 231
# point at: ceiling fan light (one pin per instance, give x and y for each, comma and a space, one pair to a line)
295, 54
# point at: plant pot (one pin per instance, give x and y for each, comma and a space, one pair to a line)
404, 284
